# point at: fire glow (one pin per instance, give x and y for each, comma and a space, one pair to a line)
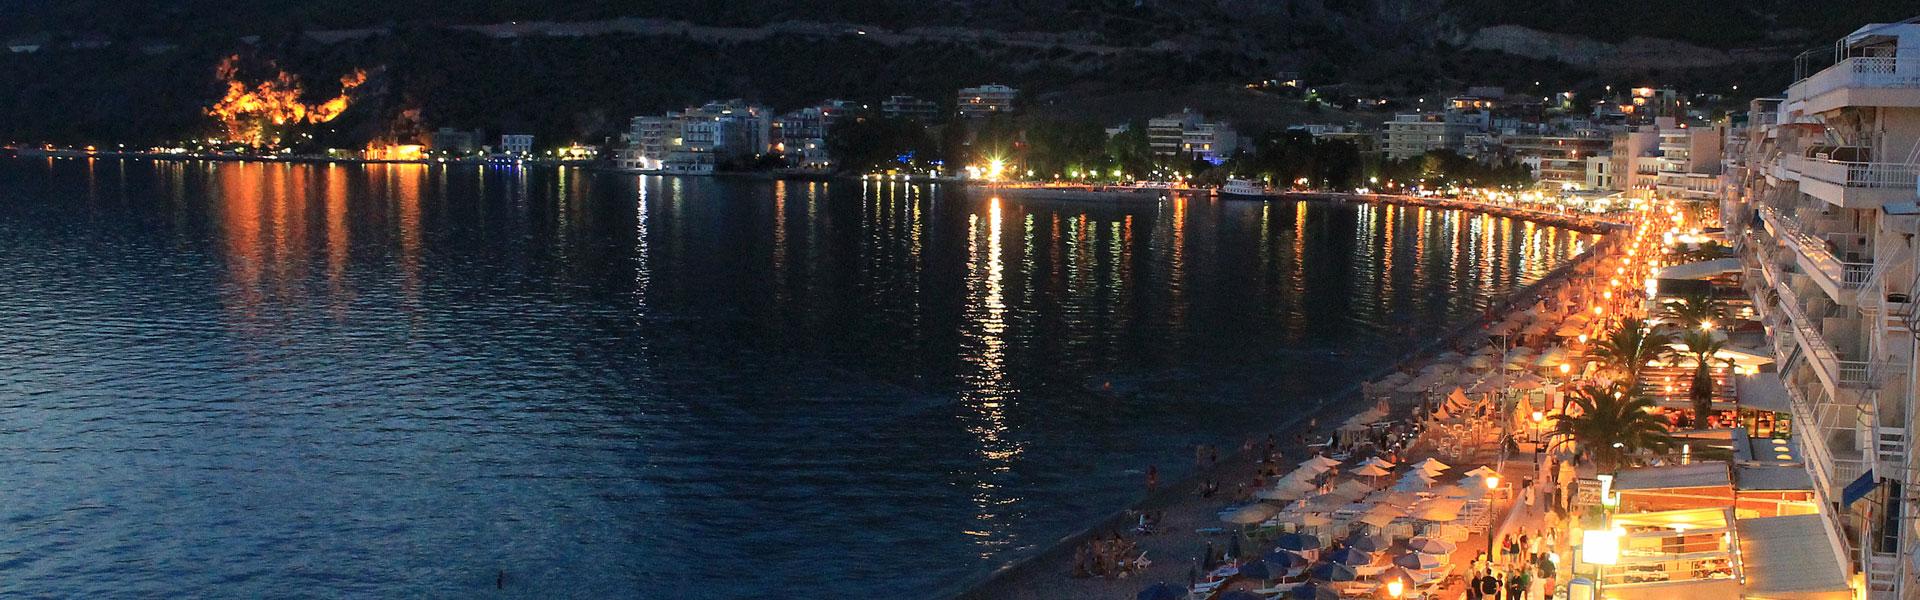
254, 114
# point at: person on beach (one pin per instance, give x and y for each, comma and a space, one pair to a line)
1489, 586
1153, 478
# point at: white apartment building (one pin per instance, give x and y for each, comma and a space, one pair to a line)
801, 134
1822, 200
1689, 161
1561, 160
985, 100
1187, 134
516, 144
1414, 134
697, 139
1599, 172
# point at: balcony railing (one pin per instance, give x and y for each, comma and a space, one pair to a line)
1859, 72
1864, 175
1845, 274
1827, 361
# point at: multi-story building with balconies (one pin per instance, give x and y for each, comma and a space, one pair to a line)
1821, 197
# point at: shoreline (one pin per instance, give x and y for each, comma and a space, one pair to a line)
1048, 567
1117, 195
1563, 221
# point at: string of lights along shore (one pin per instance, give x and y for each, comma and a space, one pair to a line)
1198, 300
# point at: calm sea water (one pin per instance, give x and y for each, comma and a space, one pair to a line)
252, 380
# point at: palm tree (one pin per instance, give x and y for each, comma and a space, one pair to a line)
1611, 424
1630, 347
1695, 308
1701, 347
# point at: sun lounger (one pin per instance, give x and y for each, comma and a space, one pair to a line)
1205, 588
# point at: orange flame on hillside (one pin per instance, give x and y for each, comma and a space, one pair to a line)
251, 113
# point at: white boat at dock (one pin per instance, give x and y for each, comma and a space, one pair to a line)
1246, 189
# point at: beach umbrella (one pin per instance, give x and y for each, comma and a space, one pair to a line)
1450, 491
1440, 510
1377, 461
1418, 561
1369, 471
1161, 591
1387, 508
1279, 494
1481, 471
1250, 514
1368, 543
1351, 556
1552, 357
1484, 386
1431, 465
1333, 572
1312, 591
1411, 485
1525, 381
1285, 559
1322, 460
1307, 519
1480, 362
1233, 546
1258, 569
1296, 542
1351, 489
1448, 356
1395, 499
1429, 545
1302, 483
1308, 470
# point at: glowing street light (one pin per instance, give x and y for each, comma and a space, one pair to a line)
1601, 546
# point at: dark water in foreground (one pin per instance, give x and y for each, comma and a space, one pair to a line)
267, 380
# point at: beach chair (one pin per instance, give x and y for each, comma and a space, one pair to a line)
1206, 588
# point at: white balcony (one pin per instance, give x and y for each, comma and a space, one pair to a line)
1840, 279
1866, 185
1836, 371
1859, 81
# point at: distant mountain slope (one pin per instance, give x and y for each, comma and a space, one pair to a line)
1710, 23
577, 69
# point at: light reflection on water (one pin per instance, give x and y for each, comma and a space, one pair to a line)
399, 380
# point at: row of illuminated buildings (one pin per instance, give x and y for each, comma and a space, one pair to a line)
700, 138
1647, 141
1819, 196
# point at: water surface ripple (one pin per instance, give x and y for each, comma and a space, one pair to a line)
250, 380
